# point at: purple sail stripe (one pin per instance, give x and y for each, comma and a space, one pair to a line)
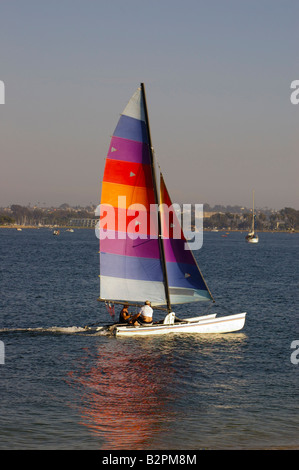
175, 251
117, 245
129, 151
129, 267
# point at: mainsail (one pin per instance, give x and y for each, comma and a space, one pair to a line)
139, 258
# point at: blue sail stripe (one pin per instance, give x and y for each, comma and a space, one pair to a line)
131, 267
132, 129
149, 269
184, 275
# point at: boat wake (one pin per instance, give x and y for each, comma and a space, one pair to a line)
69, 330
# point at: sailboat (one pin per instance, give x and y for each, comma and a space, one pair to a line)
252, 237
138, 262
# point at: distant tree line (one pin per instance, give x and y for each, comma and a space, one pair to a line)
285, 219
21, 215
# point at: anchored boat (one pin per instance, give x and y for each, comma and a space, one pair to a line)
141, 255
252, 237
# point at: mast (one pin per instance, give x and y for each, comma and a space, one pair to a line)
161, 246
253, 210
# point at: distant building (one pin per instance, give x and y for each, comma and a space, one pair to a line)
280, 224
88, 223
207, 215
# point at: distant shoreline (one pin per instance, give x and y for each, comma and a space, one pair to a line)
65, 227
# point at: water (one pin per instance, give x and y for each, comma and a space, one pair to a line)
62, 388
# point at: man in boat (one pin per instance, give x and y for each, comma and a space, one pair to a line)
126, 317
145, 315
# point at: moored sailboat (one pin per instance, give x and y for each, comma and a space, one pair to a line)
252, 237
141, 255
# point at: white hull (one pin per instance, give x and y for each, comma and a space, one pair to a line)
204, 324
252, 240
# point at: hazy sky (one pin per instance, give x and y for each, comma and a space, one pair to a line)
217, 76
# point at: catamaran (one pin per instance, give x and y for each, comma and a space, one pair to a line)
252, 237
137, 261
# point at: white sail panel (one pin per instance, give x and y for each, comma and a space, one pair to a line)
132, 290
184, 296
135, 107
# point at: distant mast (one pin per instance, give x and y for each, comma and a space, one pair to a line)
252, 237
253, 210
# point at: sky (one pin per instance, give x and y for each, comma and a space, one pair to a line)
217, 75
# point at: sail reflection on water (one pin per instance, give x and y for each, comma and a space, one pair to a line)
125, 400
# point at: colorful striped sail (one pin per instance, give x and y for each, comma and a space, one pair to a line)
130, 261
140, 258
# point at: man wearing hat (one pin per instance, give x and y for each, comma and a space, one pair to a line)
146, 313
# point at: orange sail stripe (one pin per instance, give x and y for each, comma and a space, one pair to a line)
123, 196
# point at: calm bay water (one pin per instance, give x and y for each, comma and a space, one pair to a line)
62, 388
